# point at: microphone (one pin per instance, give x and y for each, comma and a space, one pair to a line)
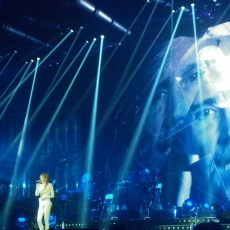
38, 181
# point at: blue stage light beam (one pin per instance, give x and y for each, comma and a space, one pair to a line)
67, 54
90, 147
15, 89
59, 80
71, 31
91, 142
19, 72
3, 57
37, 149
45, 99
123, 78
135, 140
15, 52
3, 156
43, 60
109, 59
14, 178
25, 125
122, 39
223, 14
114, 103
35, 51
197, 58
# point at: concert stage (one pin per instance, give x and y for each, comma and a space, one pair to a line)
144, 224
132, 221
106, 217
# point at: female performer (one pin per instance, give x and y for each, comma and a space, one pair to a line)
46, 191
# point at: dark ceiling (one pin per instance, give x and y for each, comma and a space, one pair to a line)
28, 24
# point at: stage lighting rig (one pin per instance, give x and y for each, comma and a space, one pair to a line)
98, 13
21, 34
205, 210
52, 220
22, 221
189, 208
158, 1
144, 211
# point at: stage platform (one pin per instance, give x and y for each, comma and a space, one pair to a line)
97, 219
144, 224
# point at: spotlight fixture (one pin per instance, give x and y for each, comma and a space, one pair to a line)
205, 211
22, 221
188, 203
19, 33
52, 220
189, 208
144, 211
219, 209
174, 212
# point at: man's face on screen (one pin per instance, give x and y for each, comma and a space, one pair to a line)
204, 133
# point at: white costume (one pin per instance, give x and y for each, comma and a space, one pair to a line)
46, 192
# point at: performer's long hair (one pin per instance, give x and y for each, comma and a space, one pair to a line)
46, 176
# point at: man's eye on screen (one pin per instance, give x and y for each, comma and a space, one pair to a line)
192, 75
205, 113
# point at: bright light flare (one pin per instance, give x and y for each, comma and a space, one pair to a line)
178, 78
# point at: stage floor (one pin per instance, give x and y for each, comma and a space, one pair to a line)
144, 224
